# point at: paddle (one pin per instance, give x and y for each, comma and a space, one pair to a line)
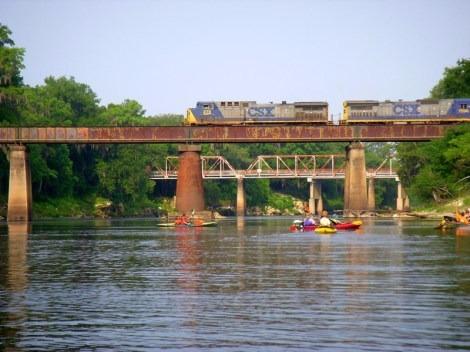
336, 222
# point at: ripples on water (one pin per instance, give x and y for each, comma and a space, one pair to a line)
126, 285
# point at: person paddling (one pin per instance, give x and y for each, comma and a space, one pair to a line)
309, 221
325, 220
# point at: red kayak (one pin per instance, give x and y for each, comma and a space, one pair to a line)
347, 226
339, 226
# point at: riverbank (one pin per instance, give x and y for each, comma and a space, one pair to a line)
279, 205
439, 210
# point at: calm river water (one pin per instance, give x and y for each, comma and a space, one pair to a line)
247, 285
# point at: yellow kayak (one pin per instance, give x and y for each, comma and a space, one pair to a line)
325, 230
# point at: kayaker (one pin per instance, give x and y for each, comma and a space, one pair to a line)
184, 219
306, 209
309, 221
461, 217
325, 220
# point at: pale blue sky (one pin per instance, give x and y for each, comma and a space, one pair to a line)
169, 54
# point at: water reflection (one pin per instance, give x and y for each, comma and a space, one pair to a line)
462, 231
240, 224
16, 283
188, 246
17, 255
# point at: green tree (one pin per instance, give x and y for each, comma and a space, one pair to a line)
433, 170
455, 82
11, 64
52, 174
11, 60
79, 97
123, 177
128, 113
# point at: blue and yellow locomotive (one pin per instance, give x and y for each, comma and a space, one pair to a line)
425, 110
246, 112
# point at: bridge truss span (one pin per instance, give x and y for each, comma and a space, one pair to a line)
319, 166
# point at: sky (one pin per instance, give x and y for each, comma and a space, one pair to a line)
168, 55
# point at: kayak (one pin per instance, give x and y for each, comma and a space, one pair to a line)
325, 230
339, 226
347, 226
166, 224
202, 224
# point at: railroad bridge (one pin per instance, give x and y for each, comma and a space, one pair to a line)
189, 138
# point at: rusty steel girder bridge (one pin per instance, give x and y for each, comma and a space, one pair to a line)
318, 166
225, 134
190, 193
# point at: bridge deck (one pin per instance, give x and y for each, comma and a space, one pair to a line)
223, 134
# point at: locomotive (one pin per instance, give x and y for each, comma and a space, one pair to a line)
424, 110
316, 112
236, 112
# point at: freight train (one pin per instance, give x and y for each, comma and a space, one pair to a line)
316, 112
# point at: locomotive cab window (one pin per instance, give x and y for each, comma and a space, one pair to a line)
207, 109
464, 106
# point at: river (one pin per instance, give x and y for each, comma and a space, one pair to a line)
246, 285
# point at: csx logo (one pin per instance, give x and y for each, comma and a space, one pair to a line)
261, 111
406, 109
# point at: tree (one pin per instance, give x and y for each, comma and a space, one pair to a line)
11, 64
128, 113
79, 97
123, 177
11, 60
455, 83
433, 170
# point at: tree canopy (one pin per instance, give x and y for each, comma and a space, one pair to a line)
437, 170
455, 82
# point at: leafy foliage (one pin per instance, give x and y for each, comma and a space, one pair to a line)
439, 169
455, 83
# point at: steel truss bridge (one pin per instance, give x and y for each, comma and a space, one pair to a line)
318, 166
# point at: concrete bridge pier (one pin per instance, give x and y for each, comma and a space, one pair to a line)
355, 182
189, 188
371, 194
403, 202
241, 201
315, 202
20, 198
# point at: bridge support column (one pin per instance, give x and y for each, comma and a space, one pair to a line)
403, 202
189, 188
355, 184
311, 199
315, 202
19, 193
371, 194
241, 201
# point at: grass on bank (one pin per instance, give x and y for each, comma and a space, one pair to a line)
448, 207
92, 206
